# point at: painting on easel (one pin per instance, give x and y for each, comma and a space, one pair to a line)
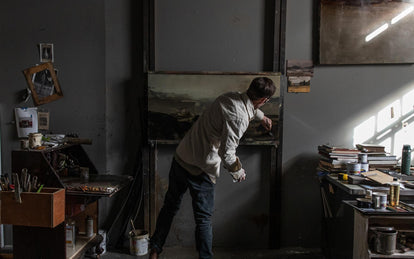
176, 100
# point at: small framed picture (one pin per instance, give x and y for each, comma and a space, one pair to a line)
46, 52
43, 120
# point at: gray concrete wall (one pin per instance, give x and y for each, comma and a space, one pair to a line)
77, 30
218, 36
97, 52
97, 58
341, 98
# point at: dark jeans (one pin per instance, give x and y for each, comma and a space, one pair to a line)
202, 193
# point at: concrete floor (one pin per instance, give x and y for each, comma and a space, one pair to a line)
222, 253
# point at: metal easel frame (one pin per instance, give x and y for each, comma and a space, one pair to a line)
150, 151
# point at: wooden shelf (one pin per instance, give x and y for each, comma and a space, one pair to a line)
409, 254
82, 244
59, 167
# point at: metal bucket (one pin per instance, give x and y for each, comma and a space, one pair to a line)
384, 240
138, 242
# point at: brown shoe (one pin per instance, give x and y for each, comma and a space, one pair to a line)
153, 254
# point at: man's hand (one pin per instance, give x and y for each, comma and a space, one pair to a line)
239, 176
266, 123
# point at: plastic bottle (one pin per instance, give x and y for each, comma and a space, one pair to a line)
406, 160
70, 233
394, 192
89, 226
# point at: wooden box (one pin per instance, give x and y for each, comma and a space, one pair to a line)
44, 209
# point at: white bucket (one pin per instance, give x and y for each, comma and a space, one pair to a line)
138, 242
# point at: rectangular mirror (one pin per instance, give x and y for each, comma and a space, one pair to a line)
43, 83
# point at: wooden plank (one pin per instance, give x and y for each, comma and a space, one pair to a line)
360, 236
378, 176
146, 198
275, 201
153, 187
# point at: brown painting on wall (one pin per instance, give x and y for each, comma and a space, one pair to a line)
175, 101
366, 31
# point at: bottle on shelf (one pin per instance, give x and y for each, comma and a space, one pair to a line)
394, 192
70, 233
89, 226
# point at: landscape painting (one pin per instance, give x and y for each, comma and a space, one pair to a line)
366, 31
299, 74
175, 101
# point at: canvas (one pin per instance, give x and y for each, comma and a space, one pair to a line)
175, 101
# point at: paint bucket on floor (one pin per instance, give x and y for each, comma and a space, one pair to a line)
138, 242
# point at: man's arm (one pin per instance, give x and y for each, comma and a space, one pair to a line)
232, 132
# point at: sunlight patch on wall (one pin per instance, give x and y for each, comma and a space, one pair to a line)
408, 102
404, 136
392, 126
364, 130
388, 115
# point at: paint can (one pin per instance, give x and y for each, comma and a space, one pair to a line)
35, 140
363, 158
24, 144
353, 168
138, 242
364, 167
380, 200
89, 226
383, 239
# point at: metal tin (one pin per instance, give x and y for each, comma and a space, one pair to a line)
138, 242
353, 168
380, 200
364, 167
363, 158
24, 143
384, 240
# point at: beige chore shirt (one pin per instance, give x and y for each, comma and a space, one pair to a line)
215, 136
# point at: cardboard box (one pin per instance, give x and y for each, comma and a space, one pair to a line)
44, 209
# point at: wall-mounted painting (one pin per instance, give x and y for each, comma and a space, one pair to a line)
176, 100
366, 31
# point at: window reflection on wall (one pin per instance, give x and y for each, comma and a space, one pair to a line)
392, 126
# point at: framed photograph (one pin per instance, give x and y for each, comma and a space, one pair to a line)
43, 83
366, 32
46, 52
43, 120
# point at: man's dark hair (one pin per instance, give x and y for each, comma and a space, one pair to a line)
261, 87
